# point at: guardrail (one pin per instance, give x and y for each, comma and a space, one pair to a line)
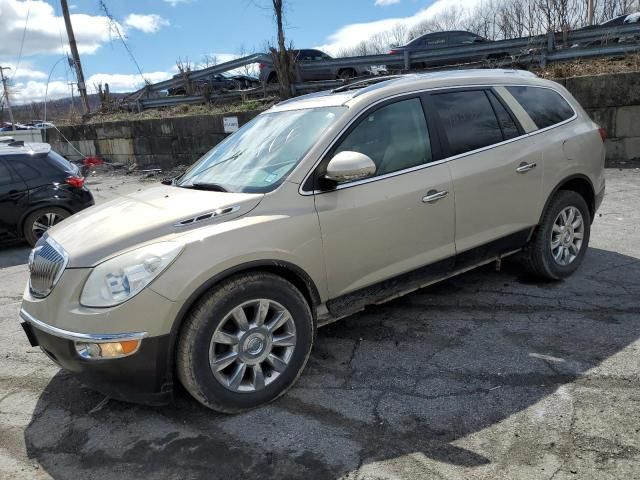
541, 49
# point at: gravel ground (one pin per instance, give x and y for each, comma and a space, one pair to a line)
489, 375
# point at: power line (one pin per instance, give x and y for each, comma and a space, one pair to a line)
24, 34
113, 26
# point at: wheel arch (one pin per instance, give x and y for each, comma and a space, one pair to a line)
34, 208
289, 271
579, 183
347, 69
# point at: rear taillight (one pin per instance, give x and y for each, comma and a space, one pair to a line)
393, 52
77, 182
603, 133
261, 66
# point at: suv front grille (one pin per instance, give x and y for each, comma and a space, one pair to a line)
46, 264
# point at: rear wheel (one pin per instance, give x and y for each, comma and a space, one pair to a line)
347, 74
561, 240
42, 220
245, 343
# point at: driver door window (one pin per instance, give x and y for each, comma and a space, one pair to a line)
395, 137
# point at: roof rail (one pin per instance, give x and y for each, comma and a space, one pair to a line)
365, 83
16, 143
6, 139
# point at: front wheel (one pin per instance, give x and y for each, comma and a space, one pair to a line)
245, 343
561, 240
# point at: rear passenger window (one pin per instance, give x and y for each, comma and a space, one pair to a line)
507, 124
395, 137
544, 106
26, 171
468, 119
5, 174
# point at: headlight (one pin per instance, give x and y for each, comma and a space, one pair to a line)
120, 278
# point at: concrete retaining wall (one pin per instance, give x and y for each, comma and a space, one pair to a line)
142, 144
612, 100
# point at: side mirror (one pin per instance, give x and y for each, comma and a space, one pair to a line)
347, 166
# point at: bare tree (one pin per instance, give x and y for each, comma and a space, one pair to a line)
184, 67
283, 59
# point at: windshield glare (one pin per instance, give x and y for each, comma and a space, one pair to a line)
260, 155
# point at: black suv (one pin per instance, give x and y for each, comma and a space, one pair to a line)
38, 188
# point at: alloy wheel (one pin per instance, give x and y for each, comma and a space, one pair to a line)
252, 345
44, 222
567, 235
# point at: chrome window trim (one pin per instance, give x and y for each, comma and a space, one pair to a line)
79, 337
437, 162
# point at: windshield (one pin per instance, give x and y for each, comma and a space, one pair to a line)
260, 155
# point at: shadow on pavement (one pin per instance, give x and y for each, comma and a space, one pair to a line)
14, 255
408, 377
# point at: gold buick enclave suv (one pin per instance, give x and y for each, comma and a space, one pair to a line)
316, 208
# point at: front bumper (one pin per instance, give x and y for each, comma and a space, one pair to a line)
143, 377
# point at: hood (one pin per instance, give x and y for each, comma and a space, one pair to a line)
99, 232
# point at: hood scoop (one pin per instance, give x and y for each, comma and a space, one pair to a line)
206, 216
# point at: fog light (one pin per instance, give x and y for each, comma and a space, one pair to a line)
107, 350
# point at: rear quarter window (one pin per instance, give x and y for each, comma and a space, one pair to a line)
544, 106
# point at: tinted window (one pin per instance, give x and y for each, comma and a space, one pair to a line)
5, 174
507, 124
430, 40
24, 168
61, 163
468, 120
394, 136
544, 106
463, 38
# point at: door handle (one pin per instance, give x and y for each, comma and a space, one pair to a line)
524, 167
434, 195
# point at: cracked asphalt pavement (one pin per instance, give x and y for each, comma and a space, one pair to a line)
489, 375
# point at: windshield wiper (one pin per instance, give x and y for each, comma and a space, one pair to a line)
214, 187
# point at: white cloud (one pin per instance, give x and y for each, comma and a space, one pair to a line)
351, 35
384, 3
25, 70
174, 3
45, 29
147, 23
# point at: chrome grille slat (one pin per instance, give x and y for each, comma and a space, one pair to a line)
48, 262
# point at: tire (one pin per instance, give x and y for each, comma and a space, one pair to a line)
46, 217
347, 74
198, 350
540, 257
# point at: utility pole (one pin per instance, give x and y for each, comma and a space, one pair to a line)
76, 57
6, 94
590, 12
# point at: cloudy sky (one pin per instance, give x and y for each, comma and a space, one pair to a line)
159, 32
